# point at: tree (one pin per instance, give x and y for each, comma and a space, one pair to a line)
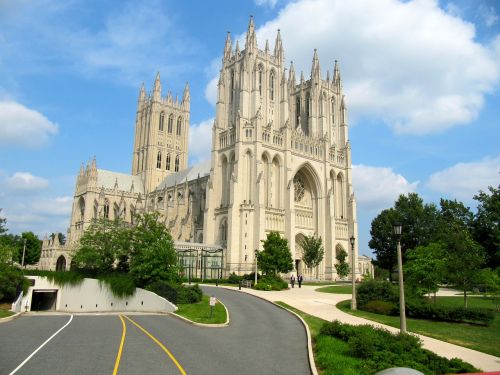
342, 266
153, 256
425, 268
418, 220
486, 225
3, 221
276, 257
33, 248
312, 251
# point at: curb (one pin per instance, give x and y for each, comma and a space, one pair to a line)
218, 325
9, 318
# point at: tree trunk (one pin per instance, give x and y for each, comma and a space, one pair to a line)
465, 297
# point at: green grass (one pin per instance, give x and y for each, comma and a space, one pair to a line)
200, 312
318, 283
481, 338
5, 313
336, 289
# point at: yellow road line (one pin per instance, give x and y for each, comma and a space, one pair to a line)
159, 344
120, 349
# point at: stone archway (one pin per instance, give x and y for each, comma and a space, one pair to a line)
61, 263
306, 192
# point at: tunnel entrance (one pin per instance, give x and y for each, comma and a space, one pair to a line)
44, 300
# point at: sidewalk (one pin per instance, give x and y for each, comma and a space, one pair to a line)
322, 305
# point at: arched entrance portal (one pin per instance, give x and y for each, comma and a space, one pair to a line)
61, 263
299, 264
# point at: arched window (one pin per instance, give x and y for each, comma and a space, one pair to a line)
223, 231
297, 112
177, 163
271, 85
167, 162
179, 126
260, 79
158, 160
308, 105
106, 209
333, 111
231, 87
170, 123
81, 204
162, 119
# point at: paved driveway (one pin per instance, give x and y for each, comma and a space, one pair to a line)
261, 339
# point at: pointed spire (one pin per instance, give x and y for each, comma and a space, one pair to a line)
291, 75
228, 46
142, 93
82, 171
302, 80
237, 49
328, 76
278, 48
315, 70
251, 40
186, 97
266, 48
336, 73
157, 87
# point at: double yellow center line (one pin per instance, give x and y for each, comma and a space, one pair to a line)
158, 342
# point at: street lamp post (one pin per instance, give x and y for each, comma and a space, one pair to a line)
353, 272
256, 254
402, 312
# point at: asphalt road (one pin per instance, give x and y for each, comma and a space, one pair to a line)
261, 339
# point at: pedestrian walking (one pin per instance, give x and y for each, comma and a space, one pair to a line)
292, 280
299, 279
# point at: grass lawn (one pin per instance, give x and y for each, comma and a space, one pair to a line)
481, 338
318, 283
200, 312
336, 289
4, 310
330, 354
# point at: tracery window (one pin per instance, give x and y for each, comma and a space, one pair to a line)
177, 163
179, 126
167, 162
170, 123
271, 85
158, 160
162, 118
106, 209
297, 112
298, 188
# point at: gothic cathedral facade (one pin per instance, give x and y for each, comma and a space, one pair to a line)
280, 161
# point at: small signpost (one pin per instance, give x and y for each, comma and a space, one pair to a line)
213, 301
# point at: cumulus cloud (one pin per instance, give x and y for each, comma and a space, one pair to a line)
377, 188
487, 14
269, 3
26, 182
59, 206
22, 126
200, 141
409, 63
463, 180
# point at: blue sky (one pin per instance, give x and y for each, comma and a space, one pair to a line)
421, 80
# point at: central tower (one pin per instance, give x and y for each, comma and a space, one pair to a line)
280, 157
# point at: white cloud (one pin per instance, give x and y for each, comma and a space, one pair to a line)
59, 206
22, 126
269, 3
377, 188
211, 91
464, 180
200, 141
25, 181
409, 63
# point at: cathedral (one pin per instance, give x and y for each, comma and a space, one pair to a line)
280, 161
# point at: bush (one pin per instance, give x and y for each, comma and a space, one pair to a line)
164, 289
379, 349
11, 282
375, 290
234, 278
270, 282
424, 310
381, 307
189, 294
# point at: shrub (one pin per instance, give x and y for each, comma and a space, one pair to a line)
379, 349
60, 278
375, 290
189, 294
381, 307
424, 310
234, 278
164, 289
271, 282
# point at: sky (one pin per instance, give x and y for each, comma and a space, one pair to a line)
421, 80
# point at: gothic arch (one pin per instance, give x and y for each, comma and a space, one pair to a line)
223, 230
179, 126
248, 171
96, 210
161, 121
340, 196
224, 180
170, 123
306, 192
266, 165
61, 263
81, 207
276, 182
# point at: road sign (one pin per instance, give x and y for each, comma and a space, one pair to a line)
213, 301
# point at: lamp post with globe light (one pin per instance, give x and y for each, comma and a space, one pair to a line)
353, 272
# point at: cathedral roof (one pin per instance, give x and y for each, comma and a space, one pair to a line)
124, 182
192, 173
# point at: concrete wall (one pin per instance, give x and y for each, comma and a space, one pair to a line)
90, 296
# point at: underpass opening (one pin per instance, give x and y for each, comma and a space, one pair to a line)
44, 300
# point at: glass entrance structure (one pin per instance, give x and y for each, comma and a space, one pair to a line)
200, 261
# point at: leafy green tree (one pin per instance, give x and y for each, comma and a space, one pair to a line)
342, 266
312, 251
276, 257
153, 256
104, 244
425, 268
486, 225
33, 248
3, 222
418, 220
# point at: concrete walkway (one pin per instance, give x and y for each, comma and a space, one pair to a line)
322, 305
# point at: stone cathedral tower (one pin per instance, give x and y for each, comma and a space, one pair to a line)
281, 159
